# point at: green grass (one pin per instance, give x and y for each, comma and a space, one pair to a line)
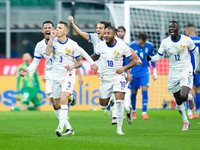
93, 131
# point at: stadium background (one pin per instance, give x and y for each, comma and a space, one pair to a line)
20, 30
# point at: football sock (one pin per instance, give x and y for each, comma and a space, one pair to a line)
144, 100
120, 114
67, 124
114, 110
127, 100
189, 111
31, 108
133, 101
63, 115
197, 103
57, 112
181, 109
17, 108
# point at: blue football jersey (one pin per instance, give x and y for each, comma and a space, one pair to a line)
142, 52
196, 40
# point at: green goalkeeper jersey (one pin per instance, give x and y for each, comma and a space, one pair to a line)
30, 81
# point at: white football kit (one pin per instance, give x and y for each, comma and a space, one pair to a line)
111, 59
180, 67
64, 54
38, 54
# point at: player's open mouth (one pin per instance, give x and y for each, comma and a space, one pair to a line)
48, 33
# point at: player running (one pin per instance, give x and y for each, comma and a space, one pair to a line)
48, 27
139, 75
111, 53
190, 31
31, 88
180, 80
64, 51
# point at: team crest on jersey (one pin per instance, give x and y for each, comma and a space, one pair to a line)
146, 50
67, 50
182, 46
116, 53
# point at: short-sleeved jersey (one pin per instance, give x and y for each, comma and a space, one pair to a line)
179, 56
64, 54
196, 40
111, 57
93, 38
40, 52
142, 52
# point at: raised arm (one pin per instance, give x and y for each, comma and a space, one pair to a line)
77, 30
49, 47
196, 57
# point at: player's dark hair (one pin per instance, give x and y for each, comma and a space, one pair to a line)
174, 22
65, 23
48, 22
121, 27
142, 36
112, 28
106, 23
189, 25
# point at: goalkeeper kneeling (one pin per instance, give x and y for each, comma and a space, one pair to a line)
30, 90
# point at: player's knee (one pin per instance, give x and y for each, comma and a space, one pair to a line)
183, 97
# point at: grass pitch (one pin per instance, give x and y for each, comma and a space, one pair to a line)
93, 131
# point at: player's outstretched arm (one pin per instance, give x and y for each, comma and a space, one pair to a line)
78, 64
196, 57
128, 66
77, 30
139, 62
80, 76
157, 57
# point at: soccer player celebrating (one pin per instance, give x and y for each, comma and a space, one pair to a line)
65, 51
190, 31
31, 88
180, 80
48, 27
139, 75
110, 53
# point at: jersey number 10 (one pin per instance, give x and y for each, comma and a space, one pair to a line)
110, 63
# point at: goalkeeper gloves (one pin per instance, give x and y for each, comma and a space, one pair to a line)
148, 57
39, 96
19, 97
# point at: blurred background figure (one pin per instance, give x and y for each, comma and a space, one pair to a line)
30, 90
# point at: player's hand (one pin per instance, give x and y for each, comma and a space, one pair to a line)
23, 72
53, 34
19, 97
138, 62
69, 67
80, 80
148, 57
155, 75
94, 68
71, 19
129, 77
39, 96
120, 70
197, 71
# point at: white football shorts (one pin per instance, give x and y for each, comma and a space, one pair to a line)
111, 85
175, 84
63, 85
